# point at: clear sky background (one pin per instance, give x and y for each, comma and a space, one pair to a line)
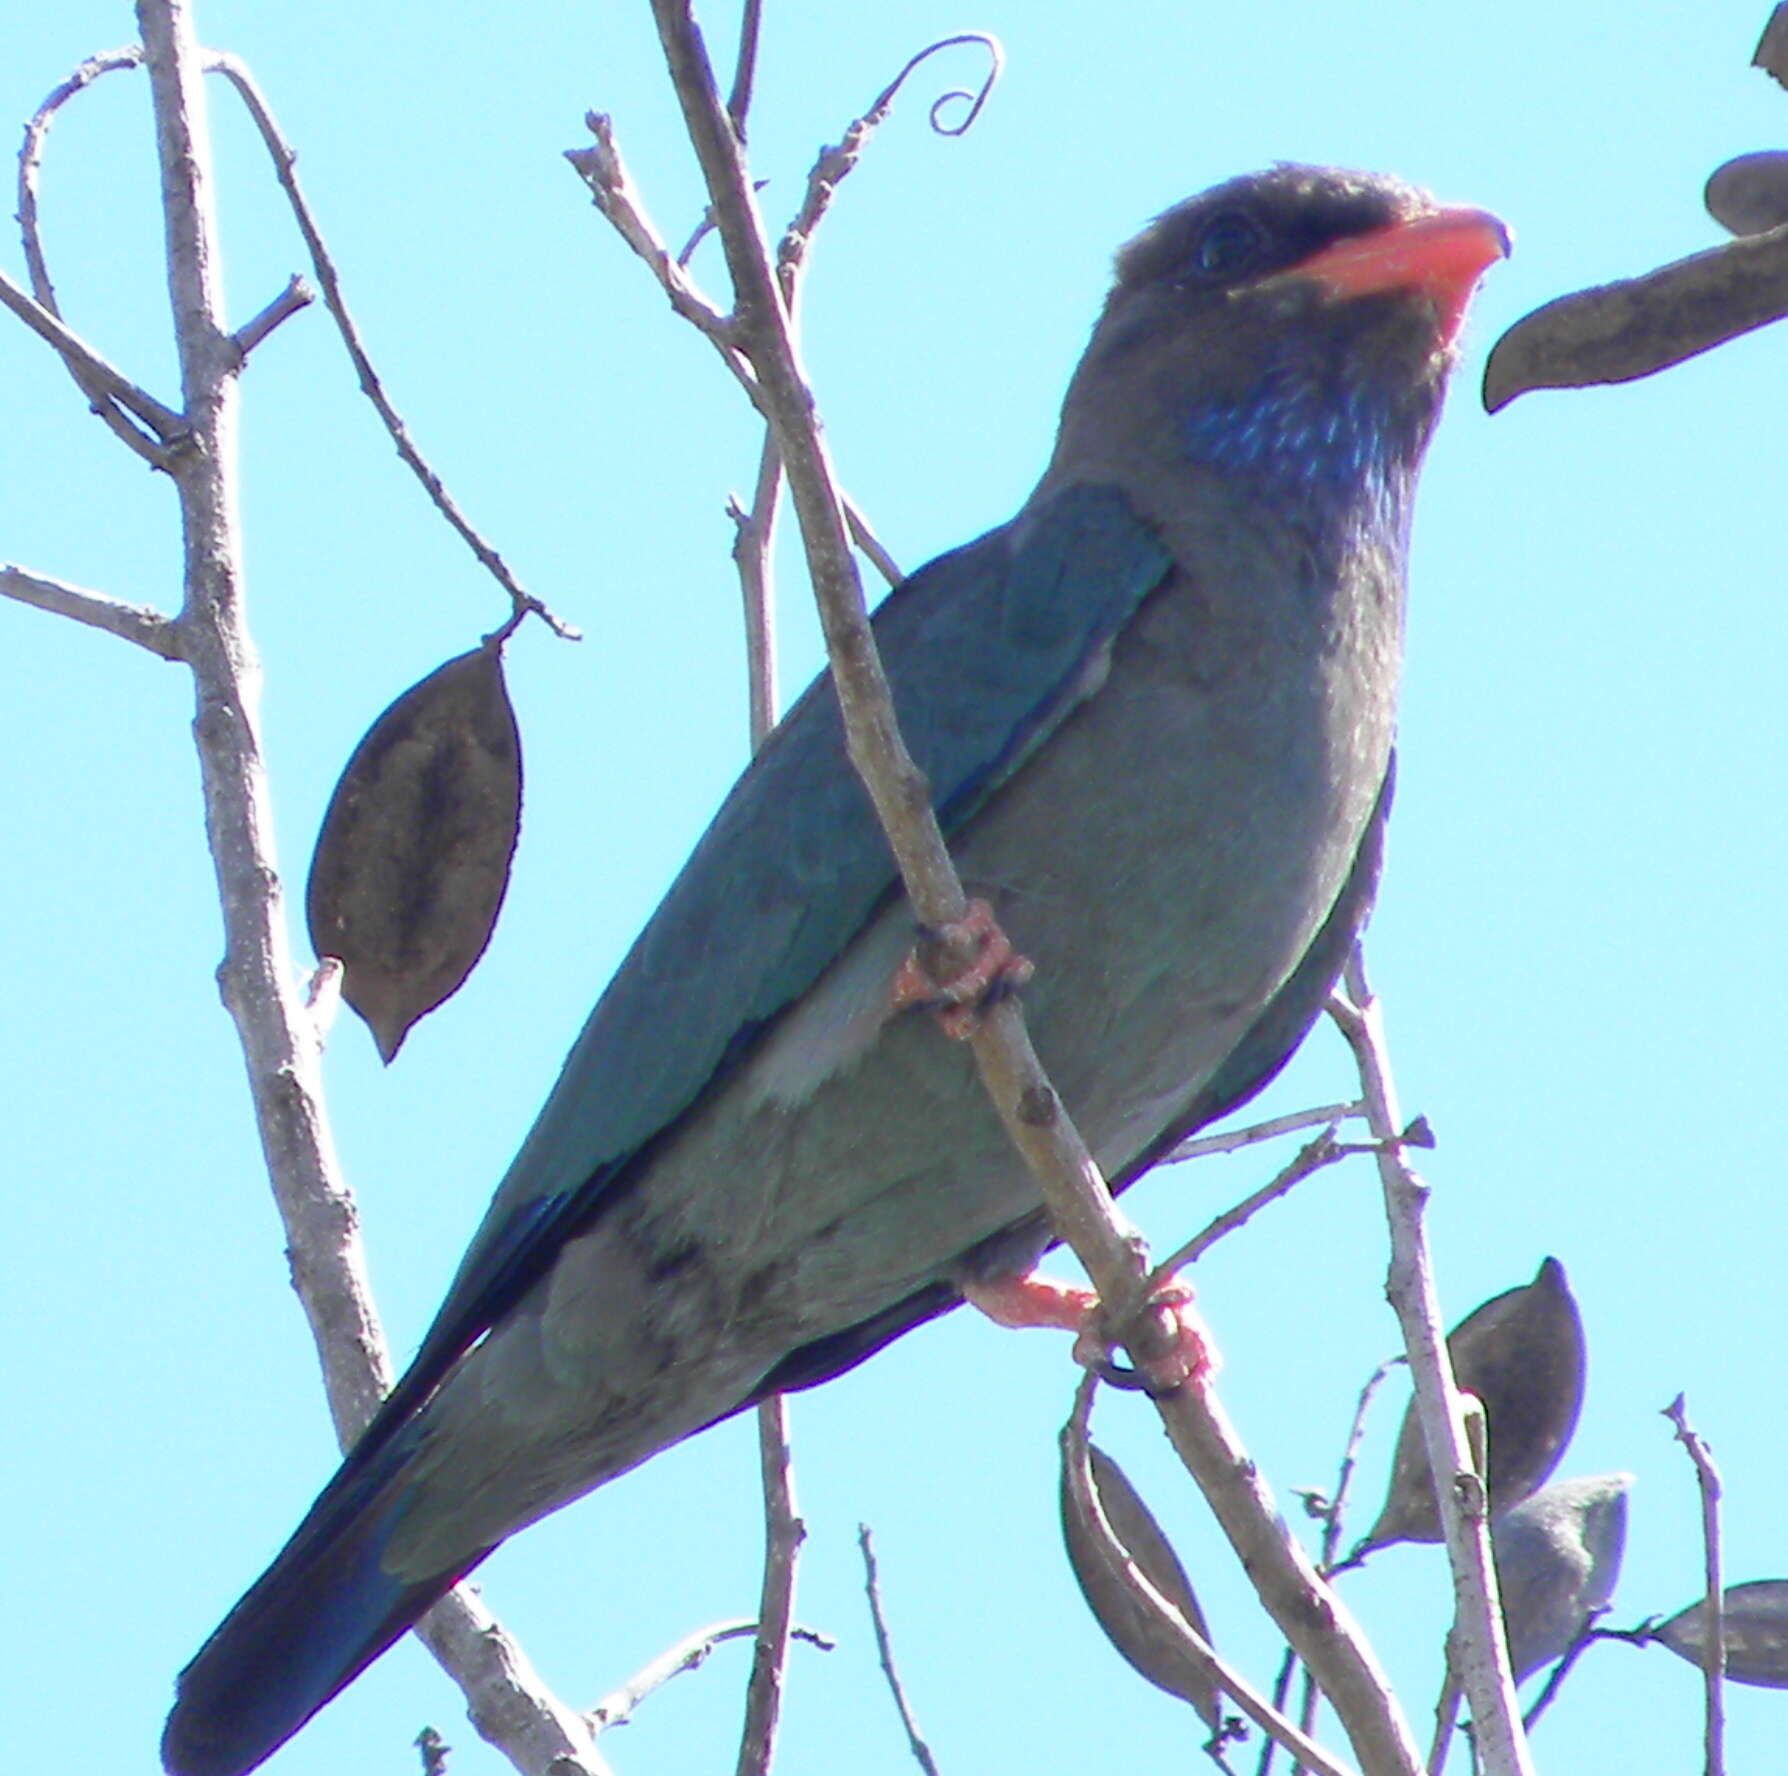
1580, 940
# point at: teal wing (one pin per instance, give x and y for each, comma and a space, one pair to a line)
987, 648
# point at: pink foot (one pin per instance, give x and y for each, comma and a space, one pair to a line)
957, 1002
1176, 1350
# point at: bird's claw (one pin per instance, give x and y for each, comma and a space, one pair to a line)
1174, 1347
1167, 1342
995, 968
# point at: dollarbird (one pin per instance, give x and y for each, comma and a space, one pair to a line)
1155, 710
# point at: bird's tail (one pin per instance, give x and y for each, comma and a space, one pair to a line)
320, 1614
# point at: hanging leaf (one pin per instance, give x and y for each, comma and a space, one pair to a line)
1755, 1623
1522, 1354
413, 859
1557, 1561
1749, 195
1138, 1632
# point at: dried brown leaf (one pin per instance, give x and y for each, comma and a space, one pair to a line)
1136, 1630
1522, 1353
1755, 1622
1620, 331
1557, 1562
1772, 46
1749, 194
413, 860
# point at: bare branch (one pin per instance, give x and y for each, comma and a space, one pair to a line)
31, 158
104, 403
1713, 1645
295, 296
836, 163
92, 373
134, 622
617, 1708
1333, 1509
784, 1533
738, 102
285, 169
508, 1701
1234, 1140
1477, 1645
602, 169
884, 1647
279, 1042
866, 540
1311, 1158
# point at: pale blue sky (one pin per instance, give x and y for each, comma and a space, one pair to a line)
1580, 940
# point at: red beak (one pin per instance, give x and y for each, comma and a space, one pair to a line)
1442, 254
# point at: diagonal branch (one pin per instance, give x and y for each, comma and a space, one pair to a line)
285, 169
98, 380
1477, 1646
134, 622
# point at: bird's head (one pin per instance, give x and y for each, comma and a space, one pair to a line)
1288, 334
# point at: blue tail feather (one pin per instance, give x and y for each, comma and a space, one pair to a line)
320, 1614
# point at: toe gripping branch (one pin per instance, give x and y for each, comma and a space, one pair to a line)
1168, 1344
957, 998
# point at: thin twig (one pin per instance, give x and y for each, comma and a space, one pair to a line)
1234, 1140
783, 1529
871, 545
1313, 1157
1079, 1204
1335, 1506
1586, 1635
1713, 1646
618, 1707
753, 542
738, 103
1477, 1644
285, 169
835, 163
295, 296
1446, 1722
611, 186
134, 622
104, 403
1216, 1670
783, 1534
92, 373
884, 1647
110, 61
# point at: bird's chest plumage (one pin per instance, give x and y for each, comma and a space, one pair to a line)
1220, 780
1164, 861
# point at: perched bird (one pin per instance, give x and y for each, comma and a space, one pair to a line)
1156, 713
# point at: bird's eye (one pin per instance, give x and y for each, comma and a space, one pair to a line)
1228, 244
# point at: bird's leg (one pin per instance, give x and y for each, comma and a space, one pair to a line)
956, 997
1174, 1347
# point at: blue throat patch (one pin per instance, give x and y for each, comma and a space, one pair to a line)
1329, 453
